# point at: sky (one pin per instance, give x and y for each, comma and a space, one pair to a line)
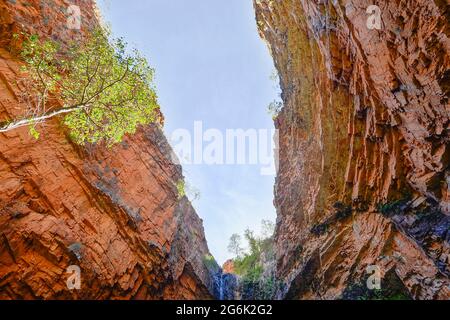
211, 66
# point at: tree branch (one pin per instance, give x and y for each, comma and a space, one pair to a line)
27, 121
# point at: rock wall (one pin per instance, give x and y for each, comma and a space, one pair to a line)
115, 213
364, 144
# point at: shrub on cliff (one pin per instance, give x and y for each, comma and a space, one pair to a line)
211, 264
391, 288
102, 89
394, 207
257, 279
274, 109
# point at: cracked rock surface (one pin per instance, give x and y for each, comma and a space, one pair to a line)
365, 123
115, 213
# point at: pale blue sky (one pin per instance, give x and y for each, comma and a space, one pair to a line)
211, 66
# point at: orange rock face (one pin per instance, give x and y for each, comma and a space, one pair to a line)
113, 213
228, 267
364, 144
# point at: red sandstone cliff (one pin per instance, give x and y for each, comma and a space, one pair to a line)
115, 213
364, 129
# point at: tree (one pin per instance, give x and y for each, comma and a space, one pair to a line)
103, 90
254, 242
267, 228
258, 246
181, 188
274, 108
234, 246
255, 266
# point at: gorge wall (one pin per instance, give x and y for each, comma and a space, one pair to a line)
364, 177
115, 213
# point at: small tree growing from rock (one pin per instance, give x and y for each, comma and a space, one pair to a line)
234, 246
103, 90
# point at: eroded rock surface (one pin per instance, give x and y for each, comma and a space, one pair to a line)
365, 125
116, 213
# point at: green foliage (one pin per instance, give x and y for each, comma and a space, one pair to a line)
41, 58
320, 229
267, 228
274, 108
360, 292
341, 212
185, 189
34, 133
181, 188
399, 296
234, 245
392, 208
109, 87
250, 265
211, 264
391, 288
192, 192
267, 289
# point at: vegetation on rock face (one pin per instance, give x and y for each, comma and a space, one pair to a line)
186, 189
394, 207
275, 107
234, 245
341, 212
391, 288
360, 292
211, 264
181, 188
255, 266
103, 90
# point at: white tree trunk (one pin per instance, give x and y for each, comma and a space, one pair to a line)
36, 119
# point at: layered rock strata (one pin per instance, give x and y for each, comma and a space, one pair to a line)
364, 143
114, 214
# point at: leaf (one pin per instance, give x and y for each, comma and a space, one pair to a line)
34, 133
